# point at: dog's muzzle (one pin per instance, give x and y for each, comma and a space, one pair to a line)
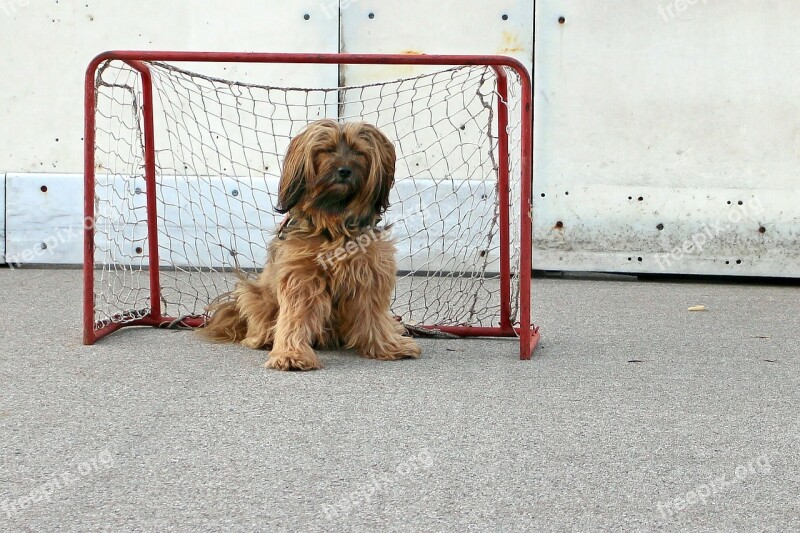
343, 174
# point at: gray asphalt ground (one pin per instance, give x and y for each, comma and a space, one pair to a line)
635, 415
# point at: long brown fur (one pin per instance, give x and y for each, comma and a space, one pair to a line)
318, 289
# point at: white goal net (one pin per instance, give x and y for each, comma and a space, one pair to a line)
219, 146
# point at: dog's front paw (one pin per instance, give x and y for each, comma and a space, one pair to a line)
401, 348
293, 361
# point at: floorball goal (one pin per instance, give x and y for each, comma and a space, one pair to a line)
182, 166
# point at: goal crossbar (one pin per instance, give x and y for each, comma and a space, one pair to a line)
141, 62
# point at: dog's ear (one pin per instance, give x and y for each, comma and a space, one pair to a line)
292, 184
382, 166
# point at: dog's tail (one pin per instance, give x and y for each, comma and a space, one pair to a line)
225, 324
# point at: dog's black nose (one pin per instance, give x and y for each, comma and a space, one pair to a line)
343, 172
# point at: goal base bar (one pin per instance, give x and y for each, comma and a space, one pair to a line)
528, 342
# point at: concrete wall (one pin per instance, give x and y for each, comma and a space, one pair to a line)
666, 133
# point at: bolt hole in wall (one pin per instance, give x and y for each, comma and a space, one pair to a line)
43, 188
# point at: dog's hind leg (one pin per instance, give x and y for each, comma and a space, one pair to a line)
365, 321
258, 306
225, 324
368, 328
304, 307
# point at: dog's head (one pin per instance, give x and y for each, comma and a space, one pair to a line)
340, 173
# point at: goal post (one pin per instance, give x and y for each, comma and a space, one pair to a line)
181, 171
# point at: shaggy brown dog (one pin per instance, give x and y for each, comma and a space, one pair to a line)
330, 271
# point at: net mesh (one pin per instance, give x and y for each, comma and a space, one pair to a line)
219, 147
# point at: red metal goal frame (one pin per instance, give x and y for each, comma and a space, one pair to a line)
527, 332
